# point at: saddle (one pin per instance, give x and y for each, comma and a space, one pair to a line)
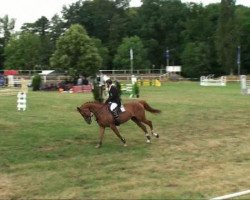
119, 109
116, 112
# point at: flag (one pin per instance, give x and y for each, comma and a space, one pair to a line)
131, 54
167, 56
238, 55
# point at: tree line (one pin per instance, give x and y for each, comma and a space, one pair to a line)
98, 34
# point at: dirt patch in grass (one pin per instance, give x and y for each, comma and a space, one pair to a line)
46, 148
7, 126
8, 188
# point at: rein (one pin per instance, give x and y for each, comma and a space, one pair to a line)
99, 111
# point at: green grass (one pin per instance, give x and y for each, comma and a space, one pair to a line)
48, 152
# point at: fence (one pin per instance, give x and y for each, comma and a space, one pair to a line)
245, 84
210, 81
135, 72
125, 75
21, 101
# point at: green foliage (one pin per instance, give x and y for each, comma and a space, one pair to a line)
43, 29
98, 92
122, 58
103, 19
199, 55
22, 51
6, 28
7, 24
195, 59
161, 23
157, 24
243, 16
136, 90
73, 74
103, 52
75, 49
36, 82
40, 26
227, 36
119, 87
56, 28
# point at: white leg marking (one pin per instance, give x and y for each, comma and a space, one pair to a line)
155, 134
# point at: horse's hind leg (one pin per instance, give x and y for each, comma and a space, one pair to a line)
142, 127
113, 127
149, 123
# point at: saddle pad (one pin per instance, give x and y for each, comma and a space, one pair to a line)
122, 108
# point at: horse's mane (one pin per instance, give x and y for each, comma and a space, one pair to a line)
93, 102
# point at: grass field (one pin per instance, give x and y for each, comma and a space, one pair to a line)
47, 152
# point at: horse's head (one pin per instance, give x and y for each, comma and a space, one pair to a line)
86, 114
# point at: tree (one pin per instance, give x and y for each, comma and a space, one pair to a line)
103, 19
199, 33
212, 15
103, 52
122, 58
7, 26
161, 22
76, 50
227, 38
211, 30
41, 27
195, 59
243, 21
94, 15
22, 51
56, 28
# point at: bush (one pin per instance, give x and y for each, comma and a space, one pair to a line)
136, 90
36, 82
119, 87
98, 92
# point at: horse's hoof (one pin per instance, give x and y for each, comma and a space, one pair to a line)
156, 135
125, 145
98, 146
148, 141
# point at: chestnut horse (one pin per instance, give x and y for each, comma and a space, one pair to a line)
133, 110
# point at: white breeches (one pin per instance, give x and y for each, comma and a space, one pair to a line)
113, 106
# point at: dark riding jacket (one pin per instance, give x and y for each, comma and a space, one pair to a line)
114, 96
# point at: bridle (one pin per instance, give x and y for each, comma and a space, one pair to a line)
88, 117
99, 111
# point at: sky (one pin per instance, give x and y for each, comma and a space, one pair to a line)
28, 11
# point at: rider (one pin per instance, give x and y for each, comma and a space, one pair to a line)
114, 101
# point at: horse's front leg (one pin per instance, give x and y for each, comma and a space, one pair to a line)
114, 128
102, 129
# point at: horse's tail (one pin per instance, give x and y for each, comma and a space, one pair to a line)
149, 108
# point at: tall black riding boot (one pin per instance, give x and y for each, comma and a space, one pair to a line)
116, 117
